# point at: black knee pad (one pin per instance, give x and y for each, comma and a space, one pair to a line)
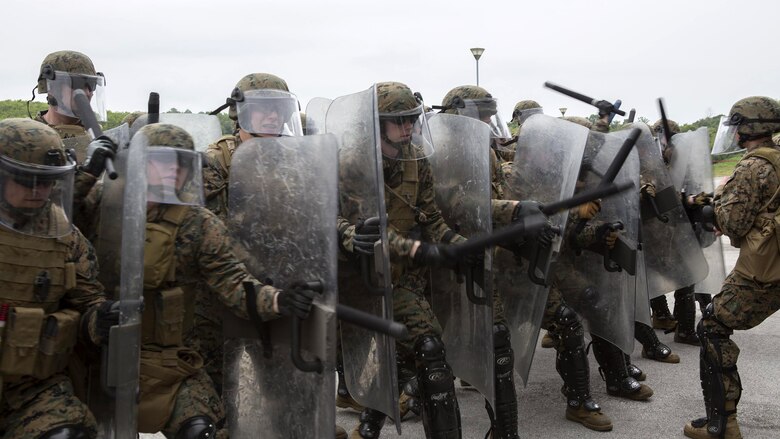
504, 356
73, 431
441, 415
197, 427
570, 328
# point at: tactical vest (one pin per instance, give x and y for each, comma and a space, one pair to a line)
168, 302
759, 250
401, 201
222, 150
34, 275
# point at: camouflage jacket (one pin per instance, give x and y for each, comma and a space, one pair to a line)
216, 174
740, 199
205, 252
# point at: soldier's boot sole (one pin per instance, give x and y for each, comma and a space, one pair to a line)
664, 323
642, 394
341, 433
732, 430
594, 420
671, 358
348, 402
548, 341
686, 338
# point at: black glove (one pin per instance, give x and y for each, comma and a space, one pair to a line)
107, 315
367, 233
296, 300
435, 255
97, 152
605, 108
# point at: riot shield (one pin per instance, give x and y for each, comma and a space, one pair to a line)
596, 282
547, 160
642, 307
673, 257
691, 171
282, 204
316, 110
369, 357
120, 251
461, 175
120, 135
205, 129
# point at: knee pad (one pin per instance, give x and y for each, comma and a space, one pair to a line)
435, 375
67, 432
570, 328
197, 427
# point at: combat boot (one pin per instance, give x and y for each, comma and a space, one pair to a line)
370, 426
662, 317
612, 368
341, 433
685, 313
652, 348
343, 398
589, 414
409, 400
633, 370
549, 340
697, 429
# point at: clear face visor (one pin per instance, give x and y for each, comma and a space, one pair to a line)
726, 137
62, 86
406, 135
36, 200
270, 113
486, 110
174, 176
521, 115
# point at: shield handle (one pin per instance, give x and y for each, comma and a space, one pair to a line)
473, 298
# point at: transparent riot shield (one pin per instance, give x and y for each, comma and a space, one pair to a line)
673, 256
547, 161
283, 207
642, 310
691, 171
120, 251
461, 175
316, 110
205, 129
596, 282
364, 283
120, 135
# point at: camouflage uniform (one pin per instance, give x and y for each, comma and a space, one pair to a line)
32, 406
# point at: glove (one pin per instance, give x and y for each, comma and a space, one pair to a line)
608, 234
367, 233
605, 108
701, 199
547, 235
647, 190
97, 152
589, 210
434, 255
296, 300
107, 315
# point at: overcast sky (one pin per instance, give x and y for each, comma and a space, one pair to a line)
700, 55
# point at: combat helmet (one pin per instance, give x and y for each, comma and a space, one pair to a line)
396, 103
168, 147
658, 127
755, 117
67, 70
525, 108
476, 102
263, 93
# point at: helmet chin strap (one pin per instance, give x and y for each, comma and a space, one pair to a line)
397, 146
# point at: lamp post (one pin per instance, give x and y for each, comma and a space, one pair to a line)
477, 52
563, 111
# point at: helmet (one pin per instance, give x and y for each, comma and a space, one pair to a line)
173, 166
255, 81
132, 117
658, 127
397, 105
475, 102
254, 101
525, 105
68, 61
33, 161
396, 99
755, 117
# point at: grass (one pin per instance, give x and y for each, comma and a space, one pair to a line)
725, 167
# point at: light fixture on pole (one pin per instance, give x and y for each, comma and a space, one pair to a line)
477, 52
563, 111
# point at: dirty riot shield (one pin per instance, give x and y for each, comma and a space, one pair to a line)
691, 171
597, 282
364, 282
461, 175
205, 129
316, 110
642, 305
120, 135
120, 251
673, 257
282, 204
547, 160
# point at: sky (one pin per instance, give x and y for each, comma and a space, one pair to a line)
699, 55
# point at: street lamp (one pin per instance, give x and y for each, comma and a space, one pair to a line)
563, 111
477, 52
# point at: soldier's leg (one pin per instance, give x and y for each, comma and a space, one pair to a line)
503, 419
652, 348
662, 318
741, 304
572, 363
45, 408
343, 398
205, 337
197, 411
612, 367
685, 314
704, 299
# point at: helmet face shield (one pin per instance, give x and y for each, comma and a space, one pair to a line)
61, 88
269, 112
486, 110
726, 137
36, 199
521, 115
174, 176
401, 129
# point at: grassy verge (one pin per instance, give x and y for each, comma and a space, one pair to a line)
725, 167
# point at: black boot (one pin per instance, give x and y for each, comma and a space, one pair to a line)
633, 370
685, 313
371, 423
503, 421
613, 370
652, 348
662, 317
343, 398
440, 414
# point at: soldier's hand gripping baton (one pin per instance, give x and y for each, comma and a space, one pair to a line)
665, 122
153, 108
84, 112
604, 107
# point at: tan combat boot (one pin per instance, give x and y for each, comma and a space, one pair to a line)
661, 353
341, 433
348, 402
590, 416
549, 340
697, 429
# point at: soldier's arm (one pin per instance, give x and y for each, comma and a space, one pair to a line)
739, 201
225, 274
86, 209
502, 212
87, 291
601, 125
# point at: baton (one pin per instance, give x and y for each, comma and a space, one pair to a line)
665, 122
587, 99
84, 112
154, 108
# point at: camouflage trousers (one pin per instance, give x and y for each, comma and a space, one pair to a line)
411, 307
205, 337
196, 397
554, 301
32, 407
741, 304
